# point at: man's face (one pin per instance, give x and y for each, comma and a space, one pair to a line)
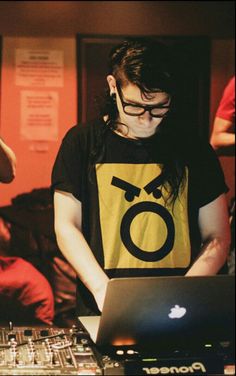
144, 125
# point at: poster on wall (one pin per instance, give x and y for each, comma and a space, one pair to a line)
39, 68
39, 115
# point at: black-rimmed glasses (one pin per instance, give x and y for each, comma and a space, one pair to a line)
158, 111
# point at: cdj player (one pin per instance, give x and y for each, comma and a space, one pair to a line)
70, 351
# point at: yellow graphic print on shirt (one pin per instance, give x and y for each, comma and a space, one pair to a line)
139, 230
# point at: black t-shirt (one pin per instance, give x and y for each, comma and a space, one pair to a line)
131, 227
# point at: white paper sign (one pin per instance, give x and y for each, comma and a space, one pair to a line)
39, 115
39, 68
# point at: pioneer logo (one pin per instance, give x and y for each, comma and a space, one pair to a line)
195, 368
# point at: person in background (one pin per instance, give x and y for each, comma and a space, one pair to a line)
7, 163
223, 132
134, 194
25, 295
223, 141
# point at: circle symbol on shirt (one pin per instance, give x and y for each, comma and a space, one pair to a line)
125, 230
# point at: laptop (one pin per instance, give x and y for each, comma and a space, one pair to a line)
167, 312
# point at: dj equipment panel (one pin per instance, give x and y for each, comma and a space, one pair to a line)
46, 351
70, 351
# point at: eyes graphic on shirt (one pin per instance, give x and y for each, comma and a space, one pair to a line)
131, 191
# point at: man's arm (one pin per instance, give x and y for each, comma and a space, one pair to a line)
68, 214
7, 163
215, 232
223, 137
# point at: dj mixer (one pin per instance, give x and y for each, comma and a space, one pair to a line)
70, 351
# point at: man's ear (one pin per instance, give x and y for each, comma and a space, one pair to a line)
112, 83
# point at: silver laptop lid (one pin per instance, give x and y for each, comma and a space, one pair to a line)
167, 311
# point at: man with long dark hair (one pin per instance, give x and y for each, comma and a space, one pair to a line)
134, 195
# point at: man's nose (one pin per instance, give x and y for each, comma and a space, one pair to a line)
146, 116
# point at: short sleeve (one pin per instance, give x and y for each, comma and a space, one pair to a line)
66, 172
206, 176
226, 109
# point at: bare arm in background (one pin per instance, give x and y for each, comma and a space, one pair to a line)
7, 163
223, 131
73, 245
215, 232
223, 137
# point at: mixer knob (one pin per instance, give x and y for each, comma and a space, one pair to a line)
74, 328
55, 358
36, 360
11, 336
84, 341
69, 359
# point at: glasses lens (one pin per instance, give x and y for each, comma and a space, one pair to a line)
159, 111
133, 110
136, 111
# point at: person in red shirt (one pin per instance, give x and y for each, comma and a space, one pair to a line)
223, 133
223, 141
26, 296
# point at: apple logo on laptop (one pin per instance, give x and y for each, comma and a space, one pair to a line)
177, 312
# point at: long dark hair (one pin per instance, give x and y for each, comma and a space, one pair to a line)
147, 64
